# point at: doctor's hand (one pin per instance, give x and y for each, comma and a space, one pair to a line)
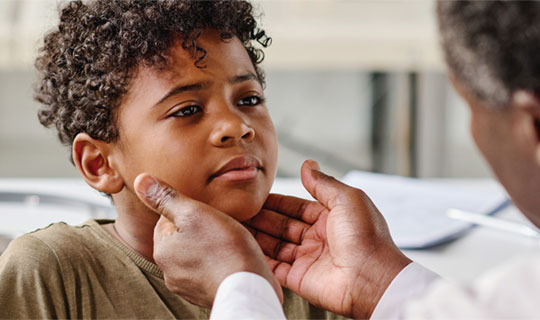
336, 252
196, 246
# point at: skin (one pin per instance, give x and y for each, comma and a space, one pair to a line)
186, 271
183, 137
329, 251
510, 142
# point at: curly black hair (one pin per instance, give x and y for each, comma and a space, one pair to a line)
492, 46
86, 64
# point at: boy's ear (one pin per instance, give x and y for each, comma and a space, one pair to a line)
91, 157
529, 103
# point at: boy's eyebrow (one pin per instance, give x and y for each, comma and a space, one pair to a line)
203, 85
244, 77
184, 88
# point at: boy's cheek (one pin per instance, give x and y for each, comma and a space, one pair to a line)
271, 147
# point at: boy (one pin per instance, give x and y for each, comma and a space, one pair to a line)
170, 88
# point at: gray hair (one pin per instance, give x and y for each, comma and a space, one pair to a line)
492, 47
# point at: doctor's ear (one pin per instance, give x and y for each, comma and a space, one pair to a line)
529, 103
91, 157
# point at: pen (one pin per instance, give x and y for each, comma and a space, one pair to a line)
496, 223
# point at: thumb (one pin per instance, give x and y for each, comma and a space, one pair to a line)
324, 188
164, 227
164, 199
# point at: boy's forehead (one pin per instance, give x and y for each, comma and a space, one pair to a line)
224, 59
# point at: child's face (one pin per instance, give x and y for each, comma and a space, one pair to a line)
205, 131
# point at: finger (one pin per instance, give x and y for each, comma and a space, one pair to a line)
280, 270
279, 225
165, 200
324, 188
250, 229
276, 248
301, 209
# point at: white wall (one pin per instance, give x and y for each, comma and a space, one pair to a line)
26, 148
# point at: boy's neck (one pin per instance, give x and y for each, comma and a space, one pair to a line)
134, 227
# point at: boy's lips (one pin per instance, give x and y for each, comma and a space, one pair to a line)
239, 169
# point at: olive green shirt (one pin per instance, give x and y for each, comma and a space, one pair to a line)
64, 271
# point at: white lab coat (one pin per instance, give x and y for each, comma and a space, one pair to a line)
246, 295
509, 291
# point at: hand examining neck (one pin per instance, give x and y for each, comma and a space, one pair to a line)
336, 252
197, 246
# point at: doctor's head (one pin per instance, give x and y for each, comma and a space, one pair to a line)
170, 88
491, 49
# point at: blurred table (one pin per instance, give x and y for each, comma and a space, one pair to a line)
478, 251
28, 204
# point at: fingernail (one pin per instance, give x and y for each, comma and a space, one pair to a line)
313, 165
148, 186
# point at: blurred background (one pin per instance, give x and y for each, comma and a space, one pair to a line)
352, 84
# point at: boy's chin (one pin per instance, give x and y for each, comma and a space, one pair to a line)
243, 215
239, 204
241, 212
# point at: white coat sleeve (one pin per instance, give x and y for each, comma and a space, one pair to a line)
511, 291
246, 295
411, 283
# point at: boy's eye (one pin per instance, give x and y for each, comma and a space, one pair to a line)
187, 111
250, 101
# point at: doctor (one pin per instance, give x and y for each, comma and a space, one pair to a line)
337, 252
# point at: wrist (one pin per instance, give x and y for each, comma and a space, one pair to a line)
261, 268
374, 277
251, 259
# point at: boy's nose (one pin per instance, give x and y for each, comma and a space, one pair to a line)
230, 131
